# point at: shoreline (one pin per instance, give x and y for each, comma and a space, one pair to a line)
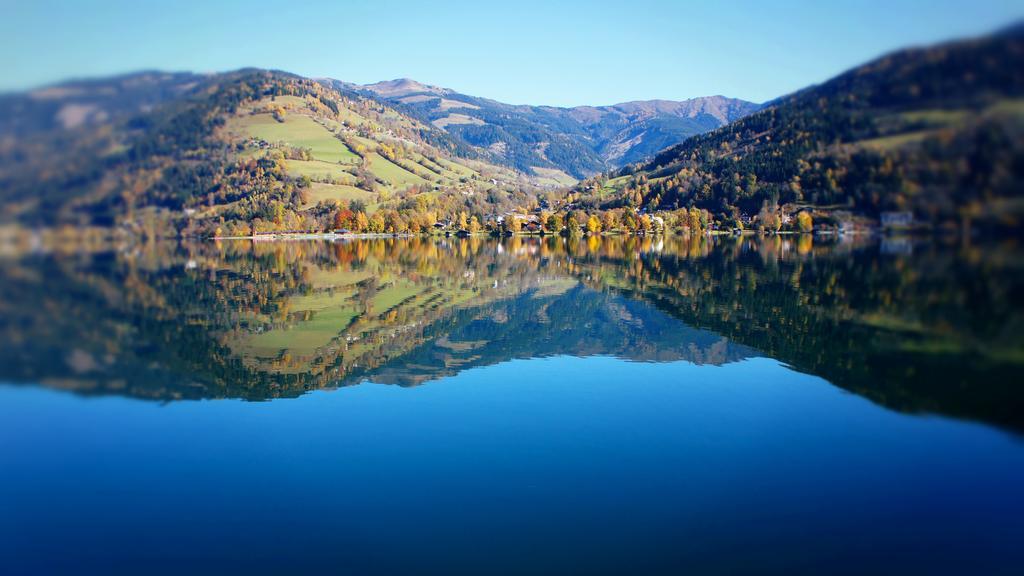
277, 236
311, 236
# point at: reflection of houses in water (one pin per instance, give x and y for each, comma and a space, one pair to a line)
898, 245
897, 219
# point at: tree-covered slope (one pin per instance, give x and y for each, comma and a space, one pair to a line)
937, 131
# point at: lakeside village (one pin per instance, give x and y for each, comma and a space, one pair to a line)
783, 221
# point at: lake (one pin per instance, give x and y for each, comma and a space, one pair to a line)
544, 406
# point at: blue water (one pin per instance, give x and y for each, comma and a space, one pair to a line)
558, 466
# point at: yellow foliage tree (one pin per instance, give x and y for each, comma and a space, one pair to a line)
361, 222
804, 221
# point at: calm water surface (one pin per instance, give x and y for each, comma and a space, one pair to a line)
527, 406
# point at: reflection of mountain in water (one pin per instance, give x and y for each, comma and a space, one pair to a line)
276, 321
578, 322
931, 329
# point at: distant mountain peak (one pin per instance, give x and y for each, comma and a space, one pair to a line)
720, 107
403, 87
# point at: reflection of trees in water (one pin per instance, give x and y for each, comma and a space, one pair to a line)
936, 329
927, 328
367, 291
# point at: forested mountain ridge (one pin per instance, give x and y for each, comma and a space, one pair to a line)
936, 131
242, 152
577, 142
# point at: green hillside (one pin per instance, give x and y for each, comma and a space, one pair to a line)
248, 151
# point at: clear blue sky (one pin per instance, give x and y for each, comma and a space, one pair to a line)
549, 52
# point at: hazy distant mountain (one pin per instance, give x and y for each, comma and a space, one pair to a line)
633, 131
83, 103
576, 141
404, 87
